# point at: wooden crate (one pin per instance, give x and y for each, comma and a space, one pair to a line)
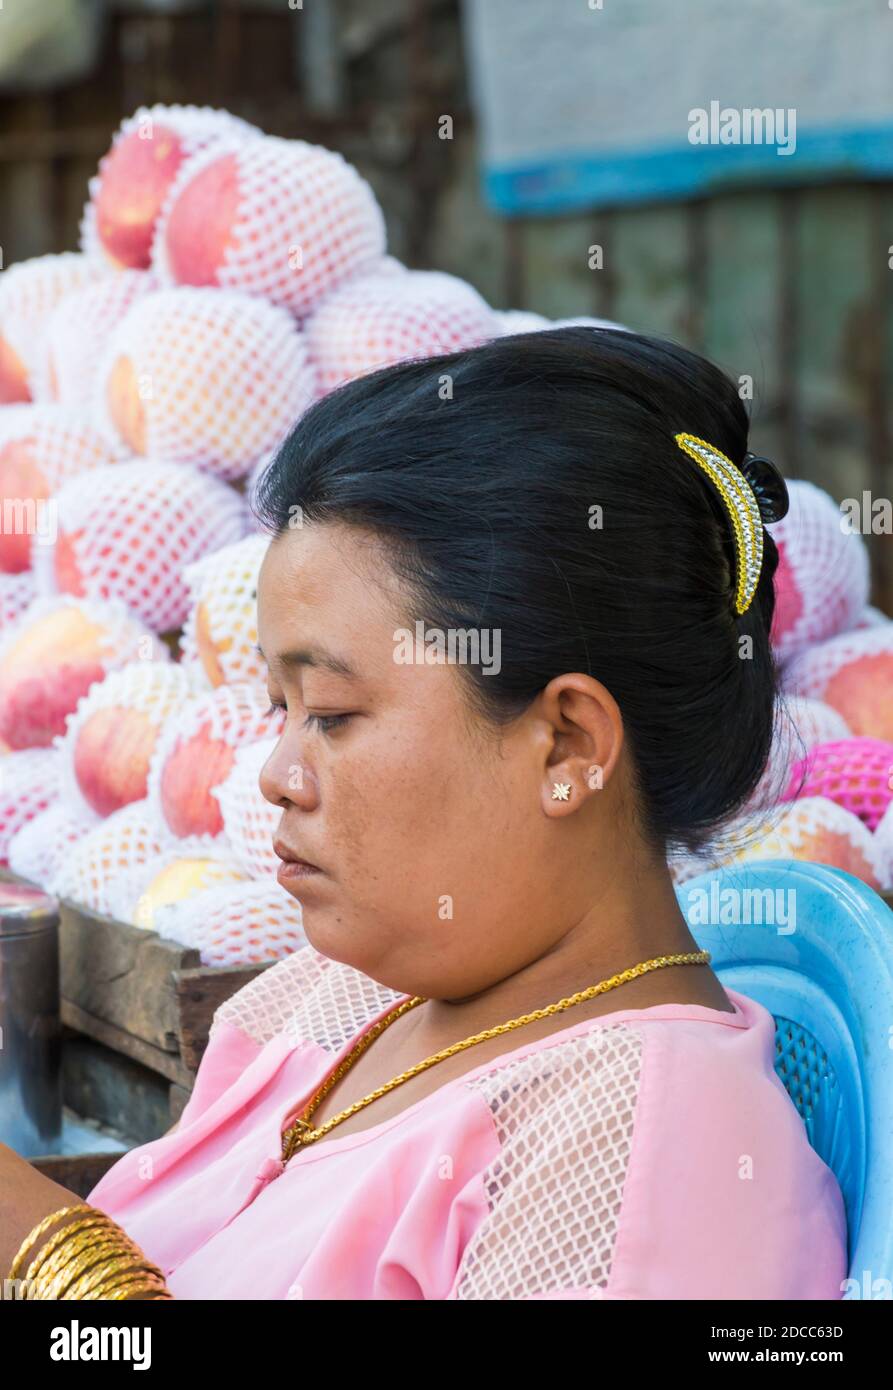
136, 1011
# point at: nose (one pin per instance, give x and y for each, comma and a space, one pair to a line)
286, 776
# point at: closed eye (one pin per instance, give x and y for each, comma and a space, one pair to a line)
324, 722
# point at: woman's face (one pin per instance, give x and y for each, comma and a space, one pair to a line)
441, 862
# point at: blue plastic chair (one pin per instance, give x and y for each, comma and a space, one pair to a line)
829, 984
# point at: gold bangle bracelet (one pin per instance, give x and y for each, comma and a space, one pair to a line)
37, 1232
143, 1283
112, 1265
55, 1255
85, 1263
142, 1275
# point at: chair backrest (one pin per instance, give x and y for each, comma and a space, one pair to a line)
814, 946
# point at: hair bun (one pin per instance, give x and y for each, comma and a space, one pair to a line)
769, 487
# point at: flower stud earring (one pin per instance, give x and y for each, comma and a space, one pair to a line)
561, 791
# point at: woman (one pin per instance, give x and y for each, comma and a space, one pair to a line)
519, 633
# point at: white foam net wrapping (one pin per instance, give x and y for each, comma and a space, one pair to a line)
854, 674
584, 321
78, 332
512, 321
220, 632
41, 448
870, 617
249, 819
236, 924
375, 320
281, 219
17, 591
822, 580
38, 850
29, 292
801, 724
29, 782
127, 532
110, 737
130, 229
196, 752
883, 837
138, 893
812, 828
203, 377
124, 839
50, 657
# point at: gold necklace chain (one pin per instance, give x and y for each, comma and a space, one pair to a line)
301, 1132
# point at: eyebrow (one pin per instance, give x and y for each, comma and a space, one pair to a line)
311, 656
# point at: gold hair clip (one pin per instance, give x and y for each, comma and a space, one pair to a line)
744, 512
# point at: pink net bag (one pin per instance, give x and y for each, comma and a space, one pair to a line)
53, 654
236, 924
17, 591
139, 893
127, 532
203, 377
249, 820
78, 332
38, 850
281, 219
124, 839
854, 674
29, 292
375, 320
29, 783
196, 753
134, 178
821, 584
856, 773
111, 736
220, 632
41, 448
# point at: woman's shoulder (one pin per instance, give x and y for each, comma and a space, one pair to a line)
308, 996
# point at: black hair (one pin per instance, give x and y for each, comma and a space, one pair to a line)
484, 470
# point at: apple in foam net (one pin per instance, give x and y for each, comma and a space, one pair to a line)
13, 376
135, 178
111, 758
44, 673
20, 477
199, 228
125, 406
196, 765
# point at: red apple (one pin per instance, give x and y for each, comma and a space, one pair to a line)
111, 757
20, 477
195, 765
200, 225
133, 183
44, 673
13, 376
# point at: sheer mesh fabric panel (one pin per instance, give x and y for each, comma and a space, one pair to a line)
565, 1117
309, 996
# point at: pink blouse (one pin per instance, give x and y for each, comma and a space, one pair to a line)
649, 1153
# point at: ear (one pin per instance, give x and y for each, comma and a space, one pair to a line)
582, 739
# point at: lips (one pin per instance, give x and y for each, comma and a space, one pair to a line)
288, 856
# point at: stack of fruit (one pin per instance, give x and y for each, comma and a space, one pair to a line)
227, 279
827, 792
